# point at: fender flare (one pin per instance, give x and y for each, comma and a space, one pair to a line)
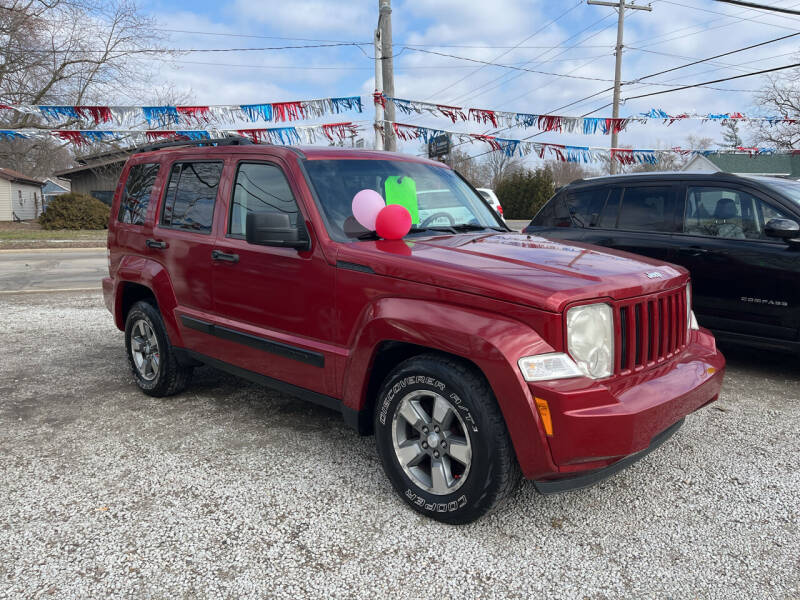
492, 342
152, 275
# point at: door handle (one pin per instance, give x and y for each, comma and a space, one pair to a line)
224, 256
156, 244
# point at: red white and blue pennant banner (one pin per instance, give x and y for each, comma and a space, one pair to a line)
301, 134
560, 152
561, 123
187, 116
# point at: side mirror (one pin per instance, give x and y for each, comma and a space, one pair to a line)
275, 229
784, 229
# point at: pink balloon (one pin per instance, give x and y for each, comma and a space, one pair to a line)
366, 206
393, 222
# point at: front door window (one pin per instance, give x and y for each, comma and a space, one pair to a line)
721, 212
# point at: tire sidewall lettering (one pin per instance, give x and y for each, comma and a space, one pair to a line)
425, 382
442, 507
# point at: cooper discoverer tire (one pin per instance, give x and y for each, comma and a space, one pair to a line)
153, 363
442, 439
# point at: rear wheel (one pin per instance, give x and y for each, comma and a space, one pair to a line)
442, 439
153, 362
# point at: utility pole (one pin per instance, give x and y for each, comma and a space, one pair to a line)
378, 89
620, 6
385, 28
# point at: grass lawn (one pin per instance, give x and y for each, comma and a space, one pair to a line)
12, 232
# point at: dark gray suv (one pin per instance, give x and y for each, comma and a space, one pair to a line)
738, 236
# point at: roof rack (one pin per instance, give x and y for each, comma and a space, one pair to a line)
226, 141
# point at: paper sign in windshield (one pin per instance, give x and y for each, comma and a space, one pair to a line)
402, 190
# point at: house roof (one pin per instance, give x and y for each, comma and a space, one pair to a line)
764, 164
52, 186
70, 173
11, 175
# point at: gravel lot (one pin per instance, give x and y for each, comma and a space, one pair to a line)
231, 490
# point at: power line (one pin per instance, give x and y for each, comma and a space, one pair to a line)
501, 55
764, 71
191, 50
788, 11
258, 37
715, 12
737, 18
686, 87
536, 58
321, 67
702, 60
512, 67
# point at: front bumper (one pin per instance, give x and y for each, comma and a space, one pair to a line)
598, 423
583, 480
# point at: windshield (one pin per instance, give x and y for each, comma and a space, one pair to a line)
789, 189
437, 198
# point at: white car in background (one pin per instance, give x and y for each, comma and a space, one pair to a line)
491, 197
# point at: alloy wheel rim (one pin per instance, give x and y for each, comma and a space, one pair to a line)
144, 350
431, 442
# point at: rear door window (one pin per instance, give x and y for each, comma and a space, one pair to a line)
136, 194
646, 208
191, 194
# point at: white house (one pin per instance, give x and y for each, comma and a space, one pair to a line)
20, 196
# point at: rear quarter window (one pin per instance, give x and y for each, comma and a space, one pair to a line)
136, 193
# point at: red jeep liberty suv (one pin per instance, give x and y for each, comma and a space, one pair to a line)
470, 351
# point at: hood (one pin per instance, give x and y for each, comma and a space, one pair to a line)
520, 268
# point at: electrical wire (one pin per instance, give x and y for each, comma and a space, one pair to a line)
501, 55
694, 85
484, 88
512, 67
761, 6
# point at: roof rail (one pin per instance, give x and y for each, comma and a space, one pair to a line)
226, 141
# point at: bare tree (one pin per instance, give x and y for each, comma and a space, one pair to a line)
666, 161
70, 52
780, 97
498, 165
566, 172
473, 170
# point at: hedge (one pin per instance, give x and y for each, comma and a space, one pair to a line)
75, 211
523, 193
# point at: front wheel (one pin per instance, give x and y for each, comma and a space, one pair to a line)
442, 439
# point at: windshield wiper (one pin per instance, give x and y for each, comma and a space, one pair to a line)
474, 227
368, 235
446, 228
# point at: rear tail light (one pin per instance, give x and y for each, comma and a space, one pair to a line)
500, 209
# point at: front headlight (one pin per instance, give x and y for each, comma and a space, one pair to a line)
544, 367
590, 339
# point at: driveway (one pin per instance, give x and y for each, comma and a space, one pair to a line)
230, 490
